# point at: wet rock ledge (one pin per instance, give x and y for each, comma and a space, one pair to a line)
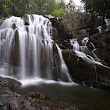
10, 100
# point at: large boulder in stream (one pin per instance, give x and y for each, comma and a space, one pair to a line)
8, 84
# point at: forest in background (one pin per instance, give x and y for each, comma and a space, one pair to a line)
53, 7
73, 18
43, 7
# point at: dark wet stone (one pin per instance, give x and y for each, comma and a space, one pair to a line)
14, 54
62, 32
9, 84
14, 26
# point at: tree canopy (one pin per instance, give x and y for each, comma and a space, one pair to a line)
97, 6
21, 7
4, 9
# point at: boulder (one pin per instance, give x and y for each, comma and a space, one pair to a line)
8, 84
79, 69
62, 32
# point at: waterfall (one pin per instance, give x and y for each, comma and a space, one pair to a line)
64, 69
26, 49
84, 53
107, 21
99, 29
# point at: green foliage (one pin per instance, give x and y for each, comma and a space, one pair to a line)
21, 7
97, 6
57, 12
4, 10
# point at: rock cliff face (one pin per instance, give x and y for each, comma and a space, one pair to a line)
81, 71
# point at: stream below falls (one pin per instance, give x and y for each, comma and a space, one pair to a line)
85, 98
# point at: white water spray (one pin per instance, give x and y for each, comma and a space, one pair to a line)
32, 37
64, 68
100, 29
26, 49
107, 21
84, 53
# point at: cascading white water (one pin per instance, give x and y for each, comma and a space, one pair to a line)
64, 69
26, 49
100, 29
34, 39
107, 21
84, 53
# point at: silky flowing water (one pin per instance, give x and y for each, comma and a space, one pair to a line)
85, 98
26, 49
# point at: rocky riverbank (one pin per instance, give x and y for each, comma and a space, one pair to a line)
10, 100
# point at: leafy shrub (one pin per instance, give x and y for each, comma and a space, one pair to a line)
57, 12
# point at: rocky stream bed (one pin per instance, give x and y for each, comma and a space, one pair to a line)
10, 100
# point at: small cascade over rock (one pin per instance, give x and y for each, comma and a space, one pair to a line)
83, 52
107, 21
26, 48
64, 69
104, 27
100, 29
